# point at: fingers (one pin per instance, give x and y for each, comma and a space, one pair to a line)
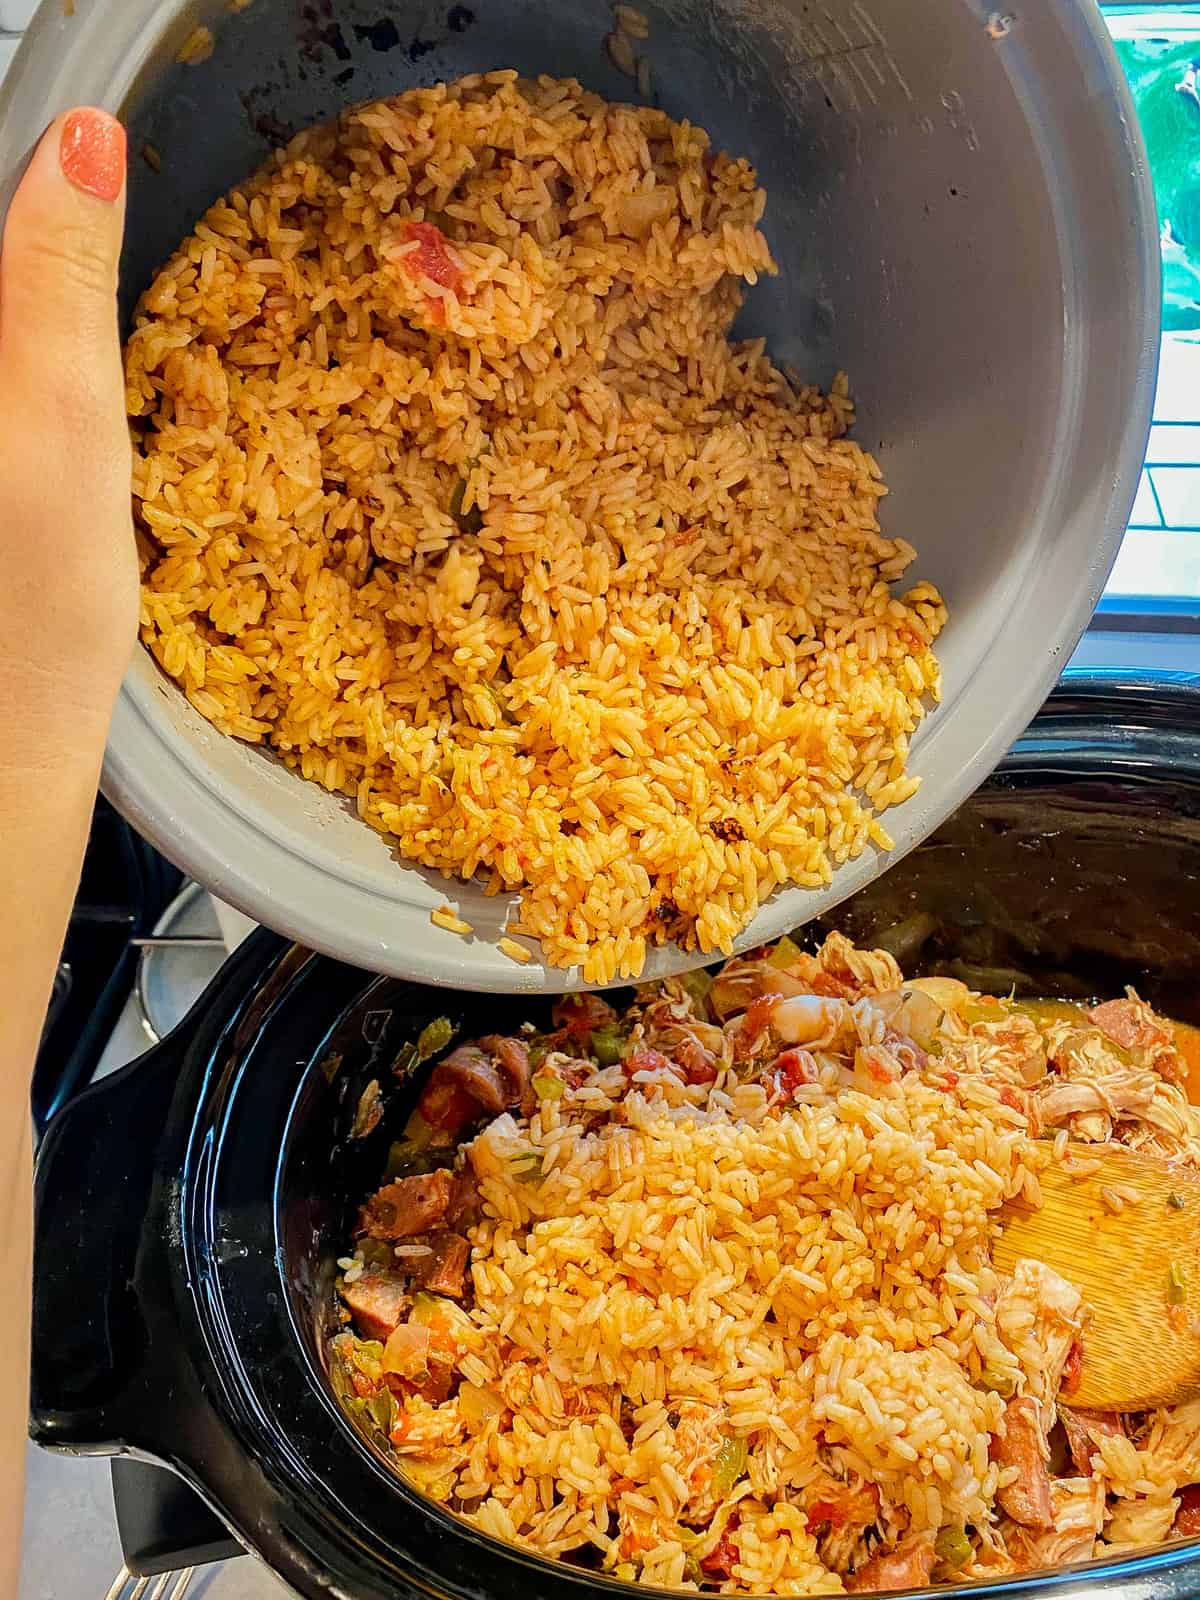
58, 268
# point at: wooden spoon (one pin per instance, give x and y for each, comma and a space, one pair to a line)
1138, 1270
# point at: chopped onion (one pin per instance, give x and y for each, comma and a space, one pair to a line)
919, 1016
478, 1406
407, 1351
948, 992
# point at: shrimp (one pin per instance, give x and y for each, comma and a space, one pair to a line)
812, 1020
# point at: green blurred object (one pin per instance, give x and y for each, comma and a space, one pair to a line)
1159, 48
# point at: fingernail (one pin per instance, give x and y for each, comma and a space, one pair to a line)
92, 153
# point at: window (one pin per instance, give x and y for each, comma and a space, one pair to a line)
1158, 570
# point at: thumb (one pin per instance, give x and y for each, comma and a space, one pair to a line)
58, 267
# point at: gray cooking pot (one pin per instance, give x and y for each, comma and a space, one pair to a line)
959, 205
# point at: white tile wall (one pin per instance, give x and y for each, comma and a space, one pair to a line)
15, 14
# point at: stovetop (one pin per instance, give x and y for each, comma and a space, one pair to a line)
125, 889
141, 946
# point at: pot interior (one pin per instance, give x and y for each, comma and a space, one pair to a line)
1050, 883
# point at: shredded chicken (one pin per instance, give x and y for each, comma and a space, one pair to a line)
1171, 1451
839, 1514
1038, 1315
1011, 1050
1150, 1519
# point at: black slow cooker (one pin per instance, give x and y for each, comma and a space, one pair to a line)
190, 1208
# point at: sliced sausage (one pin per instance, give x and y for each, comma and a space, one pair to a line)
465, 1203
408, 1206
1135, 1027
444, 1270
512, 1058
1027, 1498
378, 1301
474, 1070
908, 1566
1128, 1024
1187, 1518
1083, 1428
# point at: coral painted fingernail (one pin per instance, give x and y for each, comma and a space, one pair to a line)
92, 153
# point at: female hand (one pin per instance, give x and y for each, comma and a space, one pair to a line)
68, 599
68, 579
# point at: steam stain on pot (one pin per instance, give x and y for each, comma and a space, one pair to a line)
384, 35
381, 35
320, 33
263, 120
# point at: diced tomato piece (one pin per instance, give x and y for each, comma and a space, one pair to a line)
698, 1064
876, 1064
438, 1385
720, 1561
859, 1506
832, 988
434, 258
827, 1512
760, 1011
362, 1385
1011, 1097
755, 1025
447, 1106
1187, 1518
643, 1059
790, 1070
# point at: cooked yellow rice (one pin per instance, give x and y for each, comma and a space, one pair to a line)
559, 584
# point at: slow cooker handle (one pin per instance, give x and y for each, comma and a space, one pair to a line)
94, 1367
